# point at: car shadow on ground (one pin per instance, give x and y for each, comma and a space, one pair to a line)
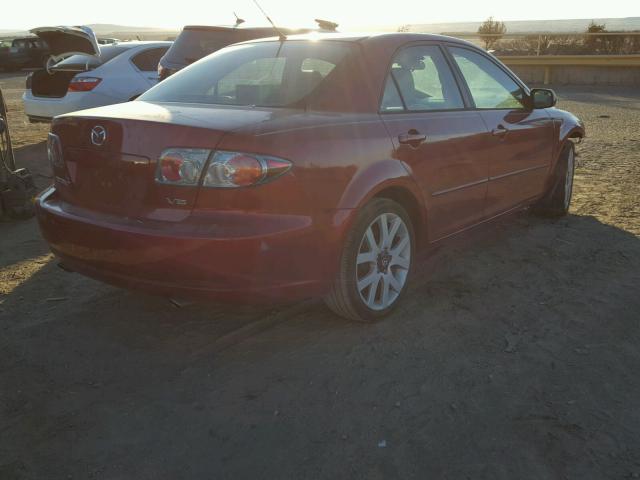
34, 157
500, 334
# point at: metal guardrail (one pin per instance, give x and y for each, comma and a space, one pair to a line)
549, 61
543, 34
543, 38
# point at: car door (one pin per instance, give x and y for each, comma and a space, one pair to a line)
146, 64
443, 143
523, 137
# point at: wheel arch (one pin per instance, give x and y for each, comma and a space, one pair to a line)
405, 198
387, 179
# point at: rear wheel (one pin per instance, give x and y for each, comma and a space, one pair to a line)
557, 201
375, 264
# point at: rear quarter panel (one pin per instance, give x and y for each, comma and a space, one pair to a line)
120, 79
339, 161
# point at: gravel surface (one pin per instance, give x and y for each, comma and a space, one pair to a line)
515, 355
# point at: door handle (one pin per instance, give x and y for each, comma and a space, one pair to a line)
412, 137
499, 131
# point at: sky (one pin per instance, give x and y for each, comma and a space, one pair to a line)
348, 13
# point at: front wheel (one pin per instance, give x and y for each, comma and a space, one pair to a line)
557, 201
375, 264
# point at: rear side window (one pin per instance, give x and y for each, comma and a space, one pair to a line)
147, 61
490, 86
422, 80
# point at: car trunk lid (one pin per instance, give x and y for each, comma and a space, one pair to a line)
110, 154
65, 41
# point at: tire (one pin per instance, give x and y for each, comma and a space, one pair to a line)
557, 201
385, 265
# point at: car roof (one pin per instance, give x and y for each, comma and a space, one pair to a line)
137, 43
226, 27
248, 27
398, 38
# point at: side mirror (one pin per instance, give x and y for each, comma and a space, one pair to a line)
3, 126
543, 98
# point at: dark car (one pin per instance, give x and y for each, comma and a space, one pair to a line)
313, 166
196, 42
26, 52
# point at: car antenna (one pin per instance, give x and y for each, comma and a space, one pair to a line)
239, 21
282, 36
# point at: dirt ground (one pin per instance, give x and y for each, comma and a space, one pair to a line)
515, 355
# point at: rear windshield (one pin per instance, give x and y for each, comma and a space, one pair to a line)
265, 74
194, 44
107, 53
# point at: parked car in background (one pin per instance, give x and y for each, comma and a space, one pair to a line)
196, 42
107, 41
94, 76
24, 52
311, 166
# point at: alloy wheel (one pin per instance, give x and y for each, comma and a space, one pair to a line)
383, 261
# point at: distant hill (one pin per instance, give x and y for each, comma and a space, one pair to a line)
13, 33
105, 29
123, 32
532, 26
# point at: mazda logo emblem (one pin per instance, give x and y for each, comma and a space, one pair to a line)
98, 135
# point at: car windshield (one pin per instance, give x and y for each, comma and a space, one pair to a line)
265, 74
107, 53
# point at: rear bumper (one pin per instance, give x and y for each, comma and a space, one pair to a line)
45, 108
252, 258
37, 119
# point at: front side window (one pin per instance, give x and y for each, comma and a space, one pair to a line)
421, 78
264, 74
490, 86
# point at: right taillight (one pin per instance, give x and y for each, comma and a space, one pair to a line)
163, 72
219, 169
237, 169
83, 84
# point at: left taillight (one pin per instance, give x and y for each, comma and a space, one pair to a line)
83, 84
217, 169
54, 151
56, 159
181, 166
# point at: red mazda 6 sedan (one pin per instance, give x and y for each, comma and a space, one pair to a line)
280, 169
